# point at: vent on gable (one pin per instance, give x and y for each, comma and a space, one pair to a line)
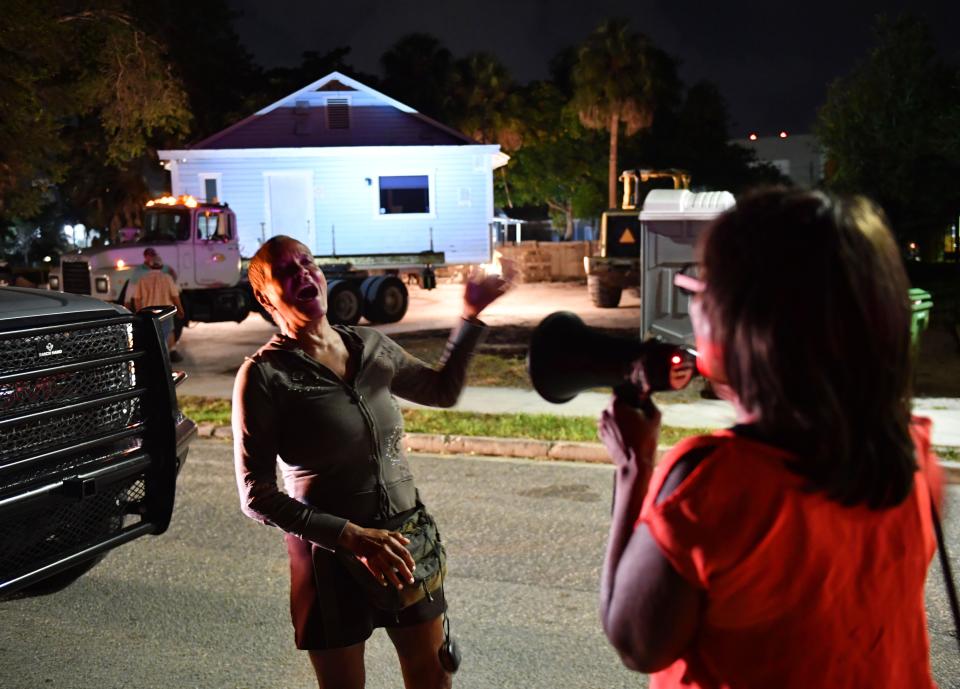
301, 117
338, 113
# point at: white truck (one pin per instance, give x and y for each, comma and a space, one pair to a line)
199, 242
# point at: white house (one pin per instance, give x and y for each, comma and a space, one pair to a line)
347, 170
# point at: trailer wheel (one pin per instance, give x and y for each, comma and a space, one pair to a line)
603, 296
385, 299
343, 302
366, 293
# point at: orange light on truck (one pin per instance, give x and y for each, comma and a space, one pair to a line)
121, 264
182, 200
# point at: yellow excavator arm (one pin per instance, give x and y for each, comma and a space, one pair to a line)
631, 180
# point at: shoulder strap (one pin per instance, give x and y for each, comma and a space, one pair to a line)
945, 567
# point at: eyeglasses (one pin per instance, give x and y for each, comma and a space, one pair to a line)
687, 282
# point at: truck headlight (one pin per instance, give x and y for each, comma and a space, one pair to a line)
55, 282
102, 284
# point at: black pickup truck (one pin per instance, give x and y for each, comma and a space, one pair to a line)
91, 437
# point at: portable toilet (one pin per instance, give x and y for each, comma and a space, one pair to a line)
670, 223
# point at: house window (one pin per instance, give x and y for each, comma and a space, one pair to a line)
210, 183
404, 194
210, 192
338, 113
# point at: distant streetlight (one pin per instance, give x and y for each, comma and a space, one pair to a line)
753, 136
783, 134
47, 259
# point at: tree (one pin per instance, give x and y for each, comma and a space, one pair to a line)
891, 130
560, 164
216, 71
618, 77
483, 103
84, 85
417, 71
695, 136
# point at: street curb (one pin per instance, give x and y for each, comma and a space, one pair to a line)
559, 450
473, 445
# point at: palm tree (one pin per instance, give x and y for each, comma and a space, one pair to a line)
614, 81
484, 102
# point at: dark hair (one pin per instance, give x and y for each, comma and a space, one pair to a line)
263, 259
808, 299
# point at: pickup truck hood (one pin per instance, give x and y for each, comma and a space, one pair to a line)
22, 307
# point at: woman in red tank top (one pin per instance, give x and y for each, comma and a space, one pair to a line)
790, 550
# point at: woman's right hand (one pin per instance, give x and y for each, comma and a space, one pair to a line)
383, 552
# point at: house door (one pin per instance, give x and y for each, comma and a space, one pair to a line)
290, 206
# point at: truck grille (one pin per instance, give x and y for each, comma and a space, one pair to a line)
66, 387
76, 463
64, 430
70, 527
28, 352
76, 276
72, 464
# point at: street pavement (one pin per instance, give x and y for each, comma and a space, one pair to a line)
204, 606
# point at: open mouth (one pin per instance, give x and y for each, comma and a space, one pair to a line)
308, 293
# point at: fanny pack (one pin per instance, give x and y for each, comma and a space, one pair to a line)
420, 528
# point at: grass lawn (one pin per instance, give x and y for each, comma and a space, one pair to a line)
485, 370
533, 426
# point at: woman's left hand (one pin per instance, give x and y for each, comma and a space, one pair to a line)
630, 434
482, 290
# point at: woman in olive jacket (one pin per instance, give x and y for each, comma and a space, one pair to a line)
320, 398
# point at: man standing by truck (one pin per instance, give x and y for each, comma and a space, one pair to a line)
157, 288
150, 256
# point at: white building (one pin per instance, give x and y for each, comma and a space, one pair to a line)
347, 170
797, 156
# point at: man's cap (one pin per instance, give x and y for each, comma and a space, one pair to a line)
149, 251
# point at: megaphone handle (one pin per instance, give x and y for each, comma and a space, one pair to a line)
628, 393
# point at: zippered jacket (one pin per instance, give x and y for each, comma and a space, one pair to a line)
339, 444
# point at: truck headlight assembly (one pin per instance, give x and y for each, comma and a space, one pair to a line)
55, 282
102, 285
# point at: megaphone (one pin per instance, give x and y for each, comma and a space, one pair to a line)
567, 357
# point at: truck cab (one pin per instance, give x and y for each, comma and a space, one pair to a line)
198, 241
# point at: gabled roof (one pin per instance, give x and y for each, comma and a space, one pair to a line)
380, 121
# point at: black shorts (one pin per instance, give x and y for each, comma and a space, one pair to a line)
329, 609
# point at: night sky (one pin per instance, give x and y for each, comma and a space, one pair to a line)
771, 60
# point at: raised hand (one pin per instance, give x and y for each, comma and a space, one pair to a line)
482, 290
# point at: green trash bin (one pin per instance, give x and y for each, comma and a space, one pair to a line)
920, 306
